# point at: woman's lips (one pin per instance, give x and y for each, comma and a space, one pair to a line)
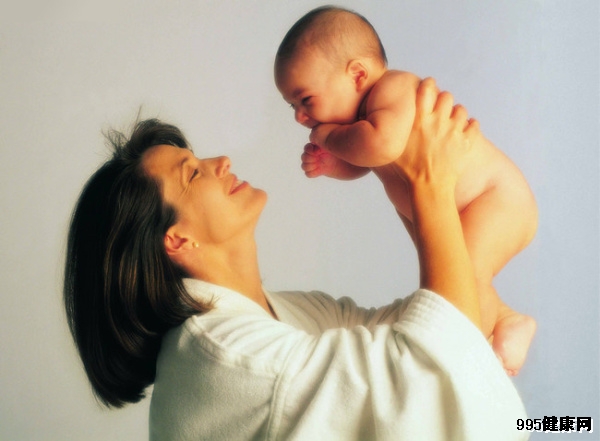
237, 185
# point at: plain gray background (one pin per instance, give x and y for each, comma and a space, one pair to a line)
527, 70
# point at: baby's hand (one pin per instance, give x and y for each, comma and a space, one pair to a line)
317, 162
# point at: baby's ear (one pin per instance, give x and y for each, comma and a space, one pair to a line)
359, 73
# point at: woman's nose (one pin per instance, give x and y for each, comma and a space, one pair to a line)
223, 163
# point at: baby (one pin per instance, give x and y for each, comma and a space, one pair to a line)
332, 69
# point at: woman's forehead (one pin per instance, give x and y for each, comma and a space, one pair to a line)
164, 156
166, 162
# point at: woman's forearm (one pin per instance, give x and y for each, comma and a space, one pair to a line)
446, 267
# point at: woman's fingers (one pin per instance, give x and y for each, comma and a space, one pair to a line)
430, 100
444, 104
459, 113
472, 126
427, 94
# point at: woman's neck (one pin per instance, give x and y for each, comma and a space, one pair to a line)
234, 268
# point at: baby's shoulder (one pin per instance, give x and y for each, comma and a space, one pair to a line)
400, 77
397, 82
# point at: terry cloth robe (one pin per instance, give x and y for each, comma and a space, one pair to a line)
415, 370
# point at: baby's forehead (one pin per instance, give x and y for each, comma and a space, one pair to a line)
285, 66
309, 54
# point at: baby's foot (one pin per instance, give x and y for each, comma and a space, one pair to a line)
511, 339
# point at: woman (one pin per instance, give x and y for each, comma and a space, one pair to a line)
163, 286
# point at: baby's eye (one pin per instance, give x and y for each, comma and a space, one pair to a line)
306, 100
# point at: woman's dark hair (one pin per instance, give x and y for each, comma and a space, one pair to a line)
121, 290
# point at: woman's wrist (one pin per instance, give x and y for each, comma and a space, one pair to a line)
426, 188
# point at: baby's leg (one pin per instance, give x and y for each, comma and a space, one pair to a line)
497, 225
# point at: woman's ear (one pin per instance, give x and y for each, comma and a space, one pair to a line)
359, 73
175, 243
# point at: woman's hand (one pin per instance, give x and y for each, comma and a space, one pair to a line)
441, 140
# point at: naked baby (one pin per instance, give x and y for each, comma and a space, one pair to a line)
332, 69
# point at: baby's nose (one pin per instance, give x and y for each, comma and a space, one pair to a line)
301, 117
305, 120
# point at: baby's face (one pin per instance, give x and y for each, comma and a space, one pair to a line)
317, 90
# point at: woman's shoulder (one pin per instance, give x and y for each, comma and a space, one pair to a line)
314, 306
316, 311
315, 301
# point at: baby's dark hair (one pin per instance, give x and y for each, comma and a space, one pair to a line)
340, 33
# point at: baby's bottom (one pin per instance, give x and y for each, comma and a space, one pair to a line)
497, 225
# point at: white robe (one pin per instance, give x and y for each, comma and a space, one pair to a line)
415, 370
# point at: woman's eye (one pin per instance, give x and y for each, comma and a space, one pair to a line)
194, 174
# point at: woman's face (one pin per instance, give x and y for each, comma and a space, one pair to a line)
213, 206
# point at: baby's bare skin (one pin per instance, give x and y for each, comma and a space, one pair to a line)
361, 115
502, 226
499, 217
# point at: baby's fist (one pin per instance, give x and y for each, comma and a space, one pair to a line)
317, 162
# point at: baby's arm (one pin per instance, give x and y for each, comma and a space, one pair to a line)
318, 162
381, 136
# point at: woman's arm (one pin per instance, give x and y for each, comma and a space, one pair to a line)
440, 141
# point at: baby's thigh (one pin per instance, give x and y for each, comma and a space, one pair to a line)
497, 225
